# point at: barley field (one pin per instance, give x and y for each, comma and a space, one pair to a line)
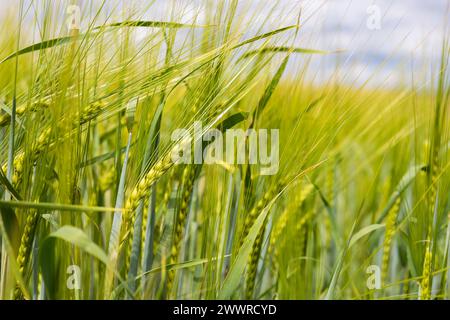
342, 191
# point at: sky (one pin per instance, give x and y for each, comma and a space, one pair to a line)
382, 41
409, 36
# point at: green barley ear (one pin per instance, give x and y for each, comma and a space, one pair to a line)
151, 229
107, 179
286, 215
141, 191
38, 147
256, 249
145, 213
425, 284
301, 231
143, 187
188, 180
91, 112
278, 230
5, 118
390, 231
260, 205
253, 264
26, 243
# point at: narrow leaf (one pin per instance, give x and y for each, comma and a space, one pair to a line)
363, 232
151, 24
